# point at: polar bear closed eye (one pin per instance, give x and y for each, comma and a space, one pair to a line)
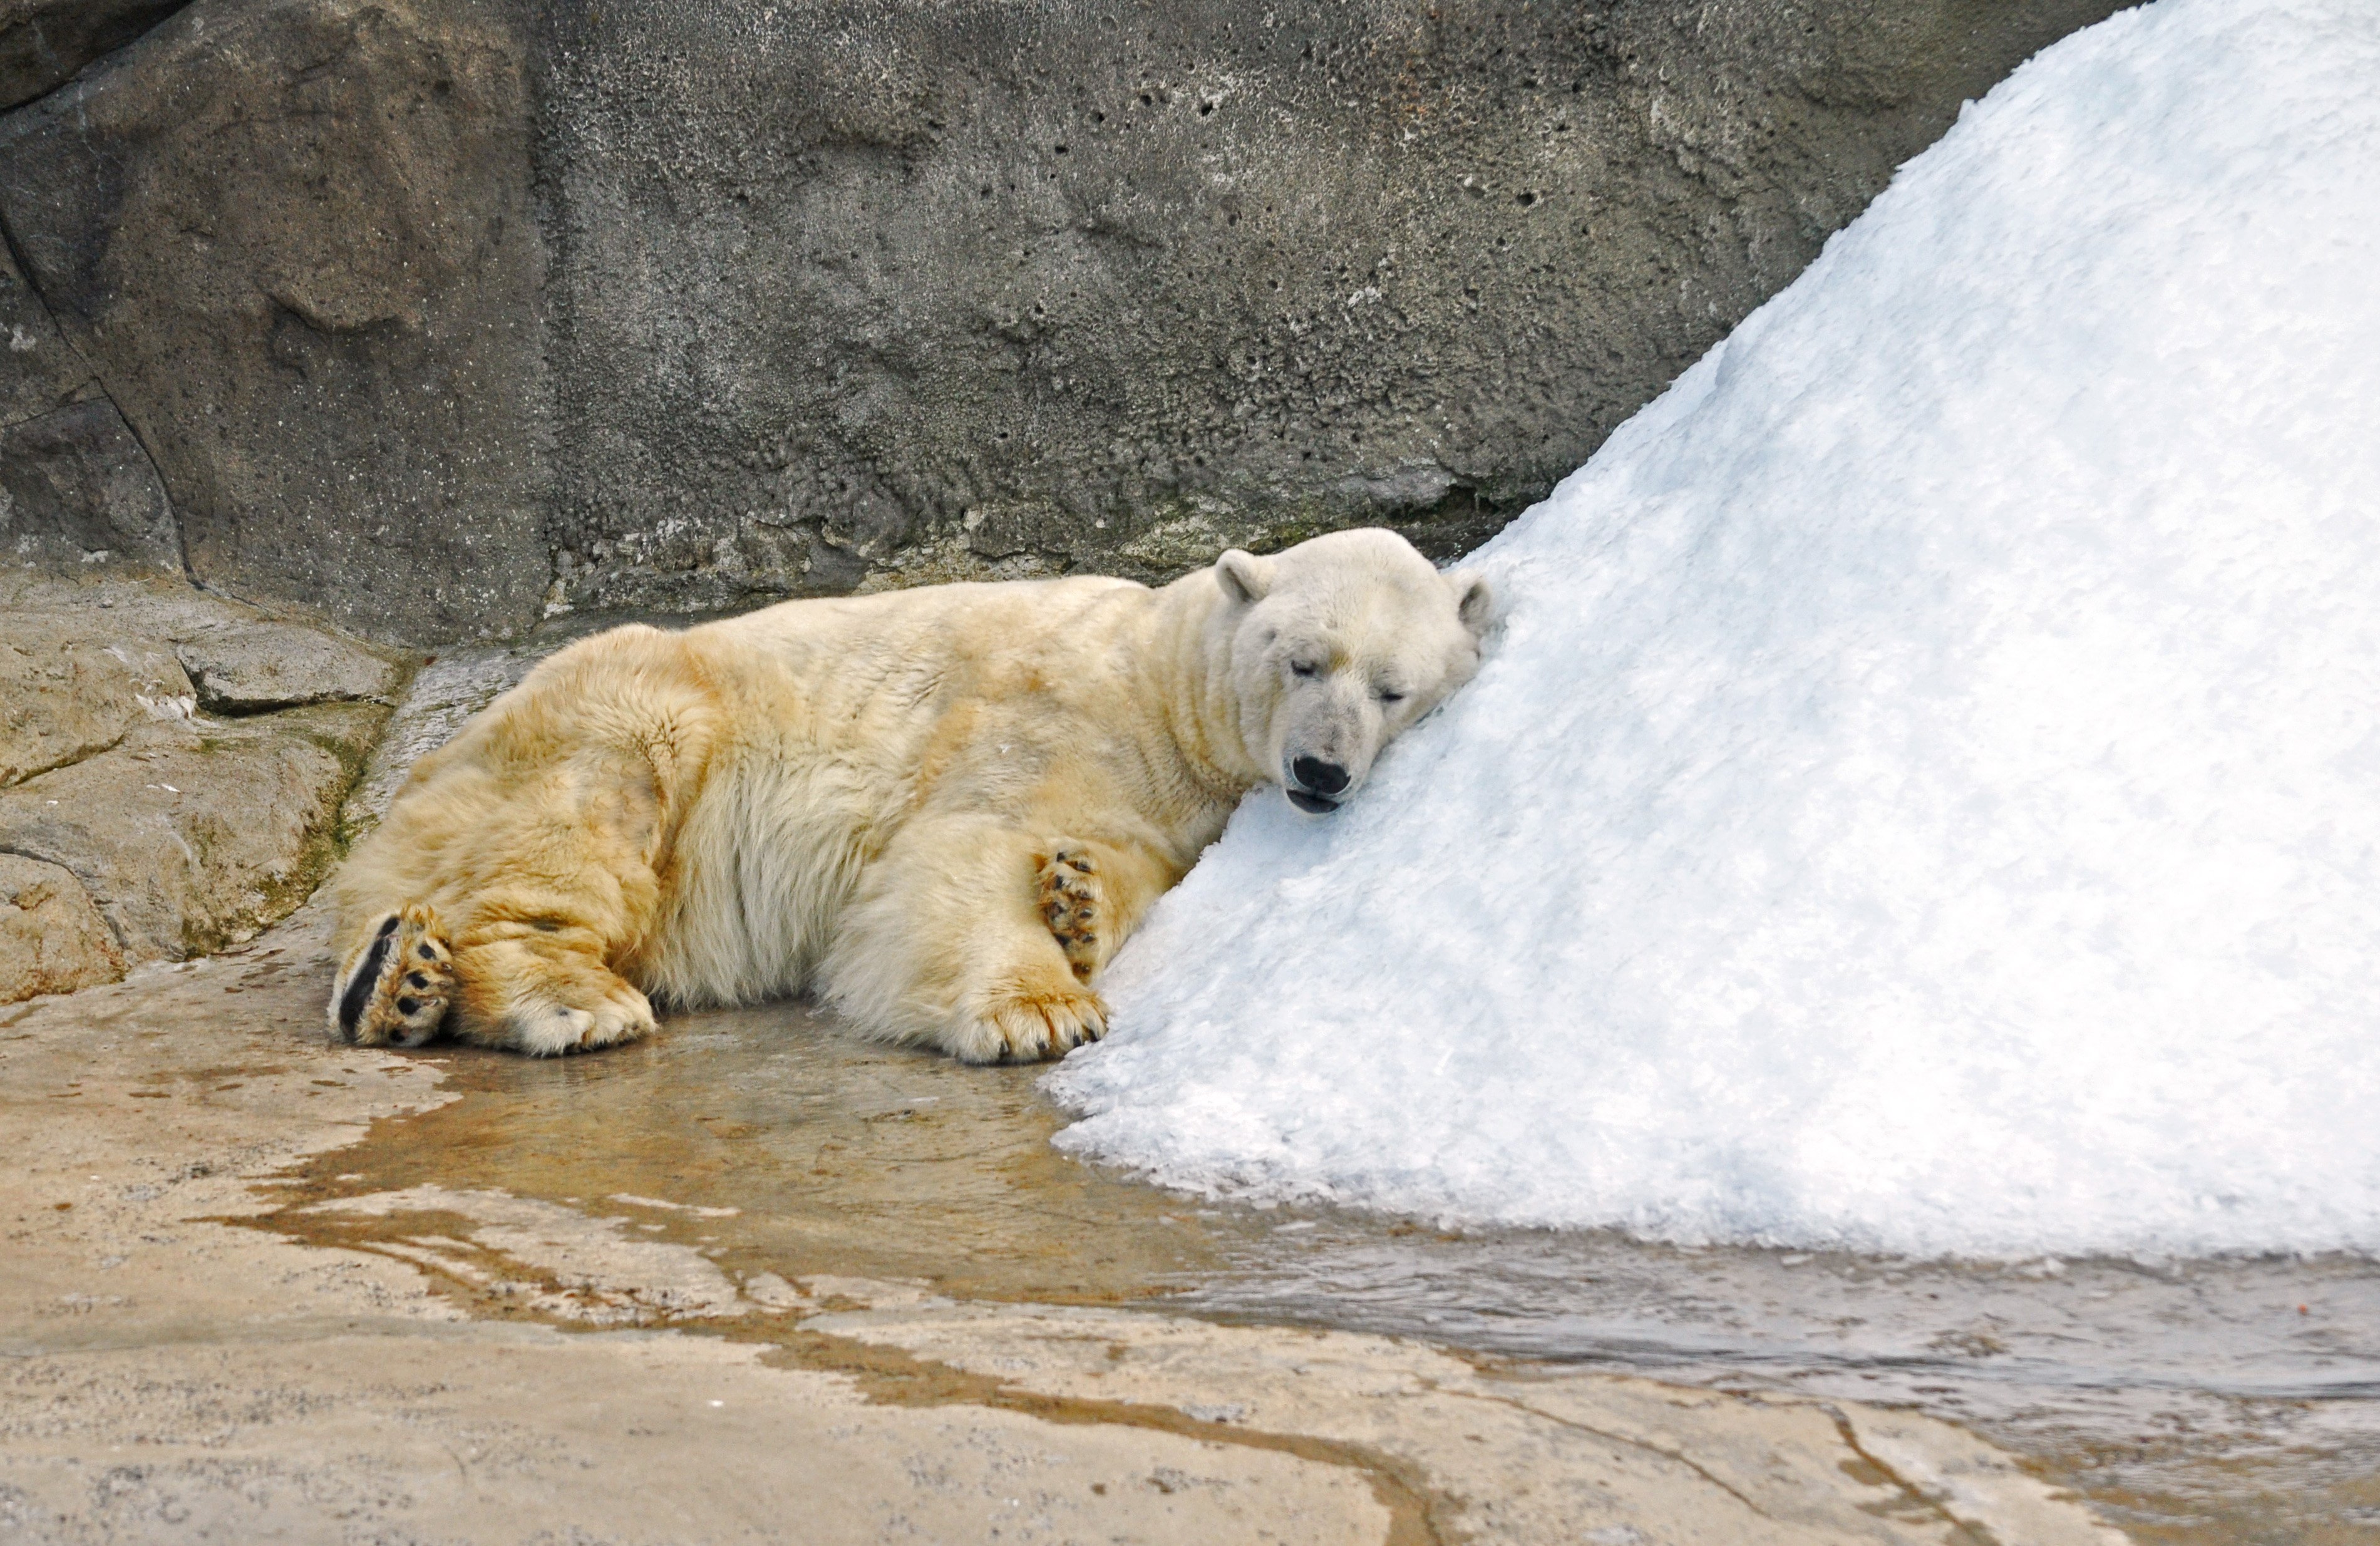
940, 809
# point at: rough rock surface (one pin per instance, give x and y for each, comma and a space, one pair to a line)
430, 310
245, 668
193, 834
294, 240
43, 42
77, 490
183, 831
53, 939
69, 690
914, 293
39, 370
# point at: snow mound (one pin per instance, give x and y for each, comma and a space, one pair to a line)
1925, 794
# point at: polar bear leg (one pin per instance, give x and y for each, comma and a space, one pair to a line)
490, 907
947, 946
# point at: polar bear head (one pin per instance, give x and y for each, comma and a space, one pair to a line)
1336, 646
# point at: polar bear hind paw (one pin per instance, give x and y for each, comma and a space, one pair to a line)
1071, 900
395, 990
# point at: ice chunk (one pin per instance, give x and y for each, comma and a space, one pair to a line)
1926, 797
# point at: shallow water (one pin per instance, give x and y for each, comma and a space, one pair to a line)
2192, 1402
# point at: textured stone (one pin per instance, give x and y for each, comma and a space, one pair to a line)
242, 668
78, 492
44, 43
52, 938
905, 293
430, 311
192, 834
186, 831
293, 239
38, 371
71, 687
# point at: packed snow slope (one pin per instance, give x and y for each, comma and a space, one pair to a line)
1924, 795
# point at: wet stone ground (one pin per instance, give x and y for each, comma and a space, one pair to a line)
2190, 1402
753, 1281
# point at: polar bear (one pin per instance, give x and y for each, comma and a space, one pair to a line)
938, 810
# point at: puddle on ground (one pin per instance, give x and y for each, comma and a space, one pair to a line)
2192, 1401
834, 1156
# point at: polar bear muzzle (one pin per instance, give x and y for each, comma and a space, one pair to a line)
1314, 786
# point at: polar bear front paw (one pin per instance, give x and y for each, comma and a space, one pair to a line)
1034, 1029
1071, 900
579, 1016
547, 1030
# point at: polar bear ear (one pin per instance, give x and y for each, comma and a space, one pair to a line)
1475, 600
1245, 577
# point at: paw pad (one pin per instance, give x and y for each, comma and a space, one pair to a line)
398, 989
1071, 897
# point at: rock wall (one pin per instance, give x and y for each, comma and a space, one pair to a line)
44, 43
293, 241
436, 316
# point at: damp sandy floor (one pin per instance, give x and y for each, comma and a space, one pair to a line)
2191, 1401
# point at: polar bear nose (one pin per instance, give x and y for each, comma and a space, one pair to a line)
1323, 778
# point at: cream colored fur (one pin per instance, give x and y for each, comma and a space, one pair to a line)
941, 810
